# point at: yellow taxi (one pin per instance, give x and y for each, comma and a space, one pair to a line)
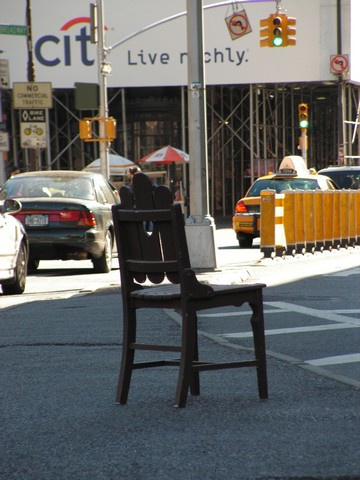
292, 175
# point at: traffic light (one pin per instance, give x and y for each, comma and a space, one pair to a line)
110, 128
303, 111
85, 129
276, 31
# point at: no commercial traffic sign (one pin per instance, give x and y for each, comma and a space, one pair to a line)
32, 95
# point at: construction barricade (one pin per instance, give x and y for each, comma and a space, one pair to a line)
305, 221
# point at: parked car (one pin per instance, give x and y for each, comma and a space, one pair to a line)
292, 175
66, 214
14, 249
344, 177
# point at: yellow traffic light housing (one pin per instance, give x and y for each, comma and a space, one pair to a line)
276, 31
265, 33
303, 111
110, 128
85, 128
290, 31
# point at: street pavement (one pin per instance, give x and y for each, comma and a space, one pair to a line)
59, 366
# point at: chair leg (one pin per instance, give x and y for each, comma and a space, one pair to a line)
127, 359
186, 378
257, 323
195, 379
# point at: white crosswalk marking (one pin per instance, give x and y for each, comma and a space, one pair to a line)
312, 312
339, 359
281, 331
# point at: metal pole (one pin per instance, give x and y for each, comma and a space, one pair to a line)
103, 107
200, 226
30, 65
199, 205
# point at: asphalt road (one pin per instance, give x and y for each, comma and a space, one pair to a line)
60, 350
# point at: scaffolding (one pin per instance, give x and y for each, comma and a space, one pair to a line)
250, 129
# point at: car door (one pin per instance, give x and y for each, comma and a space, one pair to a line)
8, 244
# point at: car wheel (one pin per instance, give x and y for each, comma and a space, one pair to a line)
246, 241
18, 286
104, 263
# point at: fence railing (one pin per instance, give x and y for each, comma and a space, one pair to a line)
303, 221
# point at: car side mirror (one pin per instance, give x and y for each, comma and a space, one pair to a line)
10, 205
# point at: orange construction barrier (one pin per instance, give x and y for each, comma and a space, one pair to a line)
272, 235
289, 221
319, 220
300, 221
309, 220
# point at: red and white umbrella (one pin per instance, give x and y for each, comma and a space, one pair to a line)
165, 156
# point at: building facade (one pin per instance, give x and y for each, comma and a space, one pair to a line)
252, 92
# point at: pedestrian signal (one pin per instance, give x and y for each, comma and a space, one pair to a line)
303, 111
85, 128
110, 128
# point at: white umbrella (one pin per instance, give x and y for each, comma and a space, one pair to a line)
117, 165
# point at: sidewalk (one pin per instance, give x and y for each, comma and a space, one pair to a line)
234, 267
60, 362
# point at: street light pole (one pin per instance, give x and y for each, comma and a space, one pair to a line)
200, 227
103, 107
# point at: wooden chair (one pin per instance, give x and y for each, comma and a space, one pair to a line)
152, 248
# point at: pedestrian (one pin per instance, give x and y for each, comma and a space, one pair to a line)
133, 171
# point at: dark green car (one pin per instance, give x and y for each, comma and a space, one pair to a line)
66, 214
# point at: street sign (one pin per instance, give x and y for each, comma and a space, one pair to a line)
33, 135
4, 74
238, 24
31, 116
4, 142
33, 128
339, 63
13, 30
32, 95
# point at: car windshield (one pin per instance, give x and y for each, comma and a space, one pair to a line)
66, 187
281, 184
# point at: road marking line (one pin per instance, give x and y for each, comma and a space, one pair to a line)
275, 310
281, 331
337, 360
235, 314
312, 312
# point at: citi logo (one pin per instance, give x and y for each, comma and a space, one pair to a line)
51, 51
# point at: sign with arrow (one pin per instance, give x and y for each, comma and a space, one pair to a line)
4, 74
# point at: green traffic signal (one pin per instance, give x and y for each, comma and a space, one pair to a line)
303, 111
277, 42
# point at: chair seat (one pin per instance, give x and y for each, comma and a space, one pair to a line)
170, 292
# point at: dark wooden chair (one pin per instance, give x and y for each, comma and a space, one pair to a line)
152, 250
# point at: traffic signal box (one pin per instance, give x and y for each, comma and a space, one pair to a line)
276, 31
303, 111
86, 129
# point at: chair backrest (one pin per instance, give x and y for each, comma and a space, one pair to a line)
150, 234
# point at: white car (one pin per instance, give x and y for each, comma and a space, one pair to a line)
14, 249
